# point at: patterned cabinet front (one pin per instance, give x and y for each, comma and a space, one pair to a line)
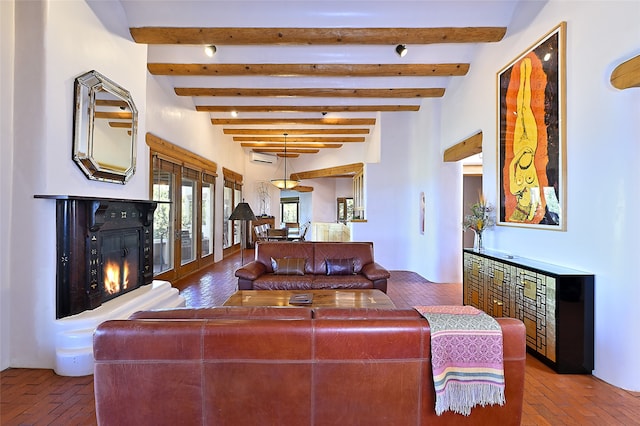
554, 303
534, 305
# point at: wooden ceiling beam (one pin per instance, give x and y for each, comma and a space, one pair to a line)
289, 145
346, 170
468, 147
303, 188
113, 115
295, 121
334, 131
292, 151
306, 108
627, 74
322, 70
315, 36
313, 92
121, 124
343, 139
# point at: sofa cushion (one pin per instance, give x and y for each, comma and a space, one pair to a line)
288, 265
340, 266
283, 282
341, 281
267, 250
362, 254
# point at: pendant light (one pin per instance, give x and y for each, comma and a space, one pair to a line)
285, 183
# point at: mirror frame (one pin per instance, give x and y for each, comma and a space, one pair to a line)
84, 146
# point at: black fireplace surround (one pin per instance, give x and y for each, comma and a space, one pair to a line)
104, 249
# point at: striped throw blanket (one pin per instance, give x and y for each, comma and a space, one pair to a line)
466, 357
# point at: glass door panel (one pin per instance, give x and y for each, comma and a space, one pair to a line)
163, 219
237, 197
207, 219
187, 228
226, 224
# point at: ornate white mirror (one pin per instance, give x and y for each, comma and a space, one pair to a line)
104, 134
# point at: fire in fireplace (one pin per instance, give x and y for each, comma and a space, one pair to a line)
104, 247
120, 261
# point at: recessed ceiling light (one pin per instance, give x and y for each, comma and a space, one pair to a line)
401, 50
234, 113
210, 50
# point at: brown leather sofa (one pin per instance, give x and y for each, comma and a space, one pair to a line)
282, 366
260, 275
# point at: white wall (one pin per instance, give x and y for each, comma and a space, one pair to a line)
602, 151
50, 54
7, 56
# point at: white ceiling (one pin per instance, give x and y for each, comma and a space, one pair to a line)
315, 14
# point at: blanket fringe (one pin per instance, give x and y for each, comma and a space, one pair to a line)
461, 398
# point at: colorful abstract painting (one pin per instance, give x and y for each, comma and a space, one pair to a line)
531, 148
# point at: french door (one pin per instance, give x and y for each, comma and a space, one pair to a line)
183, 219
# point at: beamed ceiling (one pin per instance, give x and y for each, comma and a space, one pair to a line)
320, 71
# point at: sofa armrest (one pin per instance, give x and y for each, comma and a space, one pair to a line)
251, 271
374, 272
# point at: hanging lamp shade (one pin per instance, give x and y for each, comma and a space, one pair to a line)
285, 183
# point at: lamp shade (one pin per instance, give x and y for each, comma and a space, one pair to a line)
242, 212
285, 183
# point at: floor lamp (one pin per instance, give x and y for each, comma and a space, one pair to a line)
242, 212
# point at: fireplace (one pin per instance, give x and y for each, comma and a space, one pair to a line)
104, 250
120, 261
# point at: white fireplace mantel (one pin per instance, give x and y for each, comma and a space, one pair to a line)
74, 334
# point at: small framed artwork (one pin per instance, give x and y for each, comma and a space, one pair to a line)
532, 136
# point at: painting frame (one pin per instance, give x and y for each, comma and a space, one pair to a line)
531, 130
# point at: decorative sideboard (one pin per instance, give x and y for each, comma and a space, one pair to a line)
555, 303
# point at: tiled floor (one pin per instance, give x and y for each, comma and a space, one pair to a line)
40, 397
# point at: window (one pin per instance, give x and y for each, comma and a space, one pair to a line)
163, 190
183, 226
290, 209
232, 196
207, 198
358, 196
345, 209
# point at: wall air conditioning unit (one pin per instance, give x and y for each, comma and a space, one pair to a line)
259, 157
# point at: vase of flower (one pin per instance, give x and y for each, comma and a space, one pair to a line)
481, 218
477, 241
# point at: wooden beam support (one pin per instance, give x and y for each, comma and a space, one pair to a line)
348, 169
468, 147
312, 92
121, 124
113, 115
343, 139
334, 131
302, 188
315, 36
305, 108
295, 121
321, 70
293, 151
162, 146
627, 74
291, 145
